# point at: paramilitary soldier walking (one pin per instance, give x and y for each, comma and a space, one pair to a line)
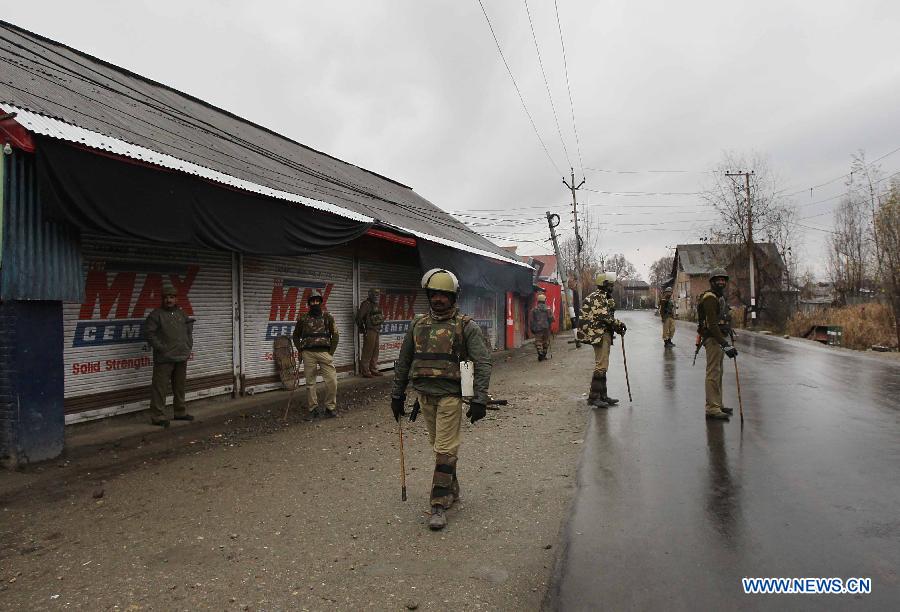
541, 320
170, 332
667, 314
430, 356
598, 324
316, 338
714, 329
369, 319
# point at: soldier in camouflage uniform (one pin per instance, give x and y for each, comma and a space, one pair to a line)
369, 319
667, 314
316, 338
598, 324
430, 357
714, 328
541, 320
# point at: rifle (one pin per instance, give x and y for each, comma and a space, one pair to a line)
697, 346
491, 402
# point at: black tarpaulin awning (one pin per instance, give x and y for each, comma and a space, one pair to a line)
99, 193
475, 271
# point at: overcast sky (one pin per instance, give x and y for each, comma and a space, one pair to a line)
416, 90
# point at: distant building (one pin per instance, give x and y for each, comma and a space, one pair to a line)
694, 262
635, 294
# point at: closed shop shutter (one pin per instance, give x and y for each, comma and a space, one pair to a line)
482, 306
275, 290
108, 363
401, 299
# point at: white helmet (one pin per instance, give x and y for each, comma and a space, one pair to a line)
438, 279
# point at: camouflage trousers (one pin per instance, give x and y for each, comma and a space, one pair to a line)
714, 365
668, 328
542, 341
369, 361
443, 418
601, 353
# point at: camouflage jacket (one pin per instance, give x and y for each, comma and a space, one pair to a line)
597, 317
316, 333
541, 318
432, 350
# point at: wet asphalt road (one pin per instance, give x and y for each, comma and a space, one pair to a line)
672, 511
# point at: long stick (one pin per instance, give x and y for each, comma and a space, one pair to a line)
737, 377
402, 463
625, 361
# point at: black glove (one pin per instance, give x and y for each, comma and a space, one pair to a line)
476, 411
730, 351
622, 328
397, 404
415, 411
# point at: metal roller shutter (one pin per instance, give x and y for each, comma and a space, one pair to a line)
401, 299
108, 363
274, 291
482, 306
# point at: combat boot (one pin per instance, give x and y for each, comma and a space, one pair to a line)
728, 411
595, 397
717, 416
438, 518
610, 401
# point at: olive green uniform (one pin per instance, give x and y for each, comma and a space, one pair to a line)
316, 339
429, 357
667, 313
714, 327
169, 331
369, 319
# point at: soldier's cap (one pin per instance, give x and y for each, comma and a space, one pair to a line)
667, 290
168, 289
314, 297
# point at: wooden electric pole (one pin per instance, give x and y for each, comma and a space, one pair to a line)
751, 256
553, 221
573, 188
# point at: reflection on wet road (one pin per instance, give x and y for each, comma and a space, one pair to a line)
673, 511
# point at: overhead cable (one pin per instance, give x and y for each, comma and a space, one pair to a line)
568, 86
518, 91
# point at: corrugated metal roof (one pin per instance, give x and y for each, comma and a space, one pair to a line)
702, 258
63, 93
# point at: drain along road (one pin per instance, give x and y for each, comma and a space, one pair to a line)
669, 512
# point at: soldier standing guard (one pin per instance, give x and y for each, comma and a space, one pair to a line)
316, 338
667, 314
598, 324
170, 332
369, 319
541, 320
430, 356
714, 329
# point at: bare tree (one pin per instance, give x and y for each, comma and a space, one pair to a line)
849, 251
661, 270
887, 222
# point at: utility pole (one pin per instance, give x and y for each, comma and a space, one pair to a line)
553, 221
573, 188
751, 256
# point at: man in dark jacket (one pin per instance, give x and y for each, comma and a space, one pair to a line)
369, 319
714, 328
316, 338
667, 314
170, 332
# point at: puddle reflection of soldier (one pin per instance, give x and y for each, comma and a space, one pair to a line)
369, 319
170, 332
721, 500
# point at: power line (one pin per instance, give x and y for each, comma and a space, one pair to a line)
634, 193
568, 86
606, 170
547, 84
516, 85
843, 176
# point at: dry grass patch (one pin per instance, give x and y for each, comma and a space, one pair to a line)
864, 325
